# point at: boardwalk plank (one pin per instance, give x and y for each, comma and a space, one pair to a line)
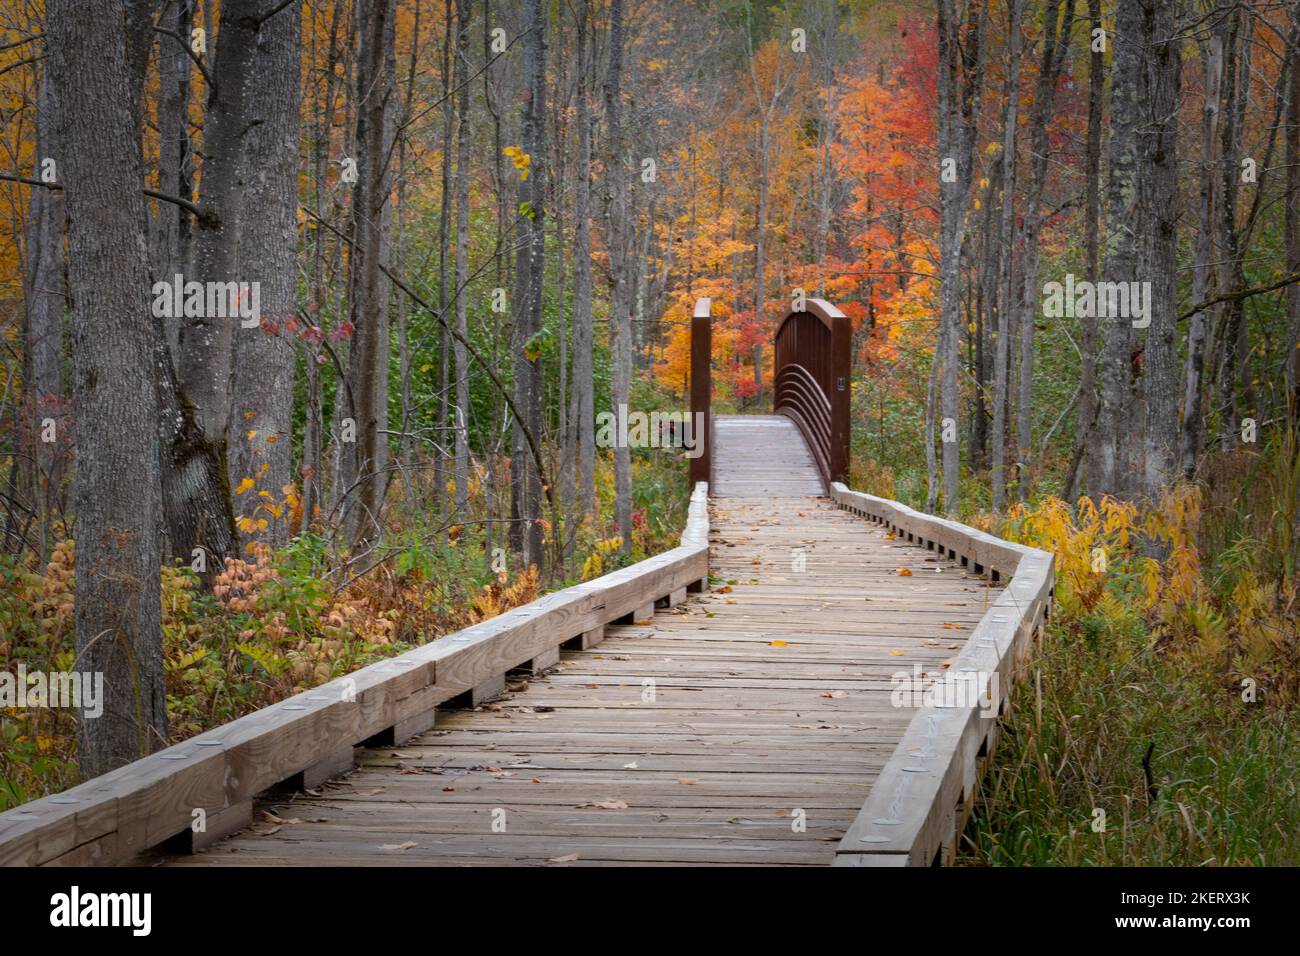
745, 726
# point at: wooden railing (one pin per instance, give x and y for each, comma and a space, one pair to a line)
813, 360
308, 738
919, 804
702, 388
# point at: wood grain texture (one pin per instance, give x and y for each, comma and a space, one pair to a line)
744, 726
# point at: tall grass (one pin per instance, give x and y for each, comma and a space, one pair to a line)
1158, 722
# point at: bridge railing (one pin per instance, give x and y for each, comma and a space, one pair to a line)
304, 740
702, 388
920, 802
812, 363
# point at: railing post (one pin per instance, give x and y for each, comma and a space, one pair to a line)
702, 388
841, 379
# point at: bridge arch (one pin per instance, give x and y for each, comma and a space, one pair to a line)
813, 358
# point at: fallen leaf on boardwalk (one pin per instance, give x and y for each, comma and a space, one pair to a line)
593, 686
398, 846
537, 779
953, 647
448, 789
895, 653
567, 858
604, 805
687, 780
904, 572
777, 644
948, 663
630, 766
951, 626
835, 694
728, 600
725, 589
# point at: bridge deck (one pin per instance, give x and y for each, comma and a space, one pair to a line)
770, 695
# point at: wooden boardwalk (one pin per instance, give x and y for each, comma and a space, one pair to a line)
744, 727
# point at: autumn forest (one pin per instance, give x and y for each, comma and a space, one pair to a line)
311, 312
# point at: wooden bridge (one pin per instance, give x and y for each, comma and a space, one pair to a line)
814, 676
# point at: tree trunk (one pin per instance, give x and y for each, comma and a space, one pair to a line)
46, 297
464, 137
618, 237
1089, 445
262, 395
583, 374
1056, 38
371, 212
1007, 288
1203, 256
1292, 225
530, 271
1160, 353
444, 246
116, 485
1123, 226
207, 340
961, 75
173, 232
